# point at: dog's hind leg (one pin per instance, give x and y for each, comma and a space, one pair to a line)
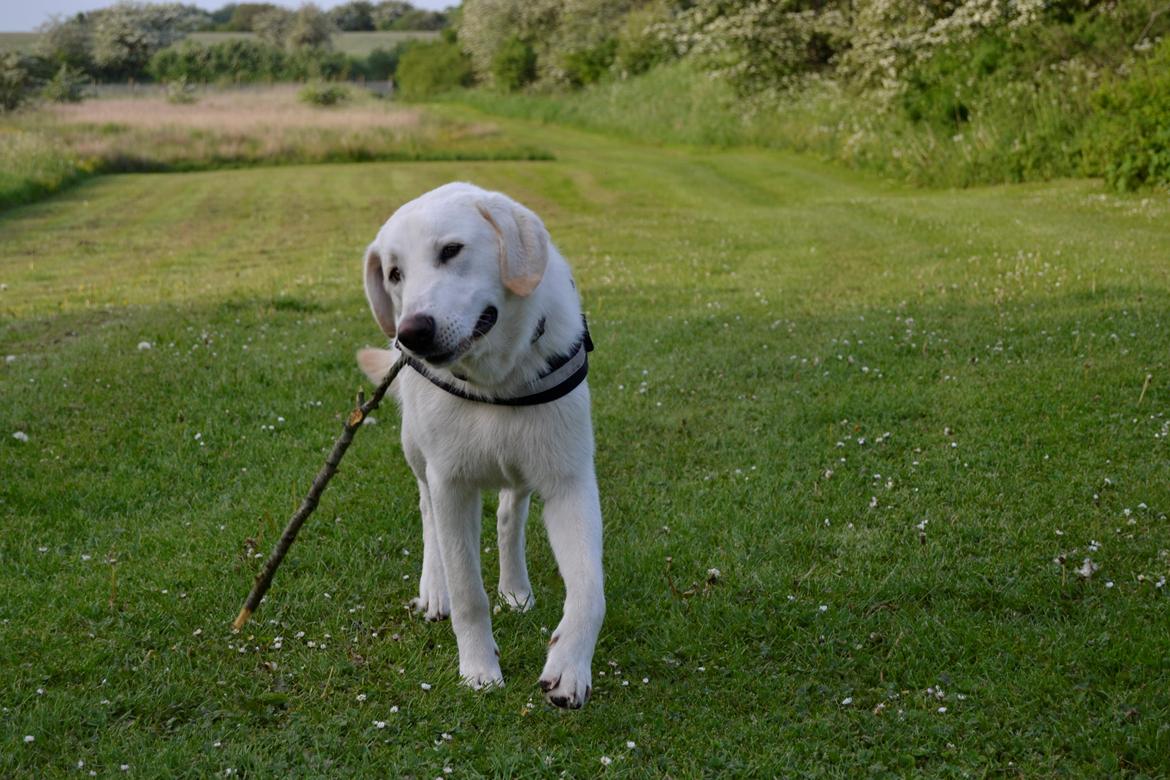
432, 600
511, 518
572, 515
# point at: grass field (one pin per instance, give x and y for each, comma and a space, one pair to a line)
359, 44
897, 422
18, 41
50, 147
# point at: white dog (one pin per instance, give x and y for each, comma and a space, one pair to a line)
469, 284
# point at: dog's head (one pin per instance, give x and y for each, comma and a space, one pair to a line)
451, 264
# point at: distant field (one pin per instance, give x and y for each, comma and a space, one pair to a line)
358, 44
18, 41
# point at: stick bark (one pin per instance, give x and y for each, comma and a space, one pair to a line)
309, 504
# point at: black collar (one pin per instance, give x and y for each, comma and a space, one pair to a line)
560, 377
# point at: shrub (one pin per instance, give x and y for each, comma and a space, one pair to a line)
243, 61
318, 94
311, 28
641, 43
66, 86
67, 42
587, 66
15, 81
181, 92
428, 69
514, 65
1131, 129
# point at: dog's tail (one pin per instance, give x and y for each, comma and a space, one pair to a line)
374, 363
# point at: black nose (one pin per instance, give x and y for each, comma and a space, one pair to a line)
417, 333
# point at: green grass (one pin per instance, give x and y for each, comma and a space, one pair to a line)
772, 335
1020, 132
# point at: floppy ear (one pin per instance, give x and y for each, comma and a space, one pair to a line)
380, 302
523, 242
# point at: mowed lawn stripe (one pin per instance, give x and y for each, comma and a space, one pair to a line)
896, 422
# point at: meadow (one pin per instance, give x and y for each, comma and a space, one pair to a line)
358, 44
883, 470
55, 145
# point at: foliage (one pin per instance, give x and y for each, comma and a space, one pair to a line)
272, 26
311, 28
515, 65
244, 15
588, 66
322, 94
66, 86
181, 92
429, 69
398, 15
1132, 125
640, 42
239, 60
379, 65
574, 41
67, 41
760, 45
15, 81
126, 35
354, 16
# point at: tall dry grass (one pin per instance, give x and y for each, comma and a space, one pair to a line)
48, 148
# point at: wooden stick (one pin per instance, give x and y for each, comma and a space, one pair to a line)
356, 417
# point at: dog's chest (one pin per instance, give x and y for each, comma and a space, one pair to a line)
495, 446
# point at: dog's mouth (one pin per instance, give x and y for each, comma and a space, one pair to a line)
487, 321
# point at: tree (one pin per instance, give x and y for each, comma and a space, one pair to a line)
67, 41
126, 35
428, 69
243, 16
385, 14
311, 28
272, 25
354, 16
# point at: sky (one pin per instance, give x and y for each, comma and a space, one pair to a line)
22, 15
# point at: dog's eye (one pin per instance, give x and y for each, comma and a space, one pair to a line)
394, 276
449, 251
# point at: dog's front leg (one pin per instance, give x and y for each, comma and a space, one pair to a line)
432, 598
456, 510
572, 515
515, 588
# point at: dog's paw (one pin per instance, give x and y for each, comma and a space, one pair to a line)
518, 600
482, 676
566, 682
431, 608
432, 602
